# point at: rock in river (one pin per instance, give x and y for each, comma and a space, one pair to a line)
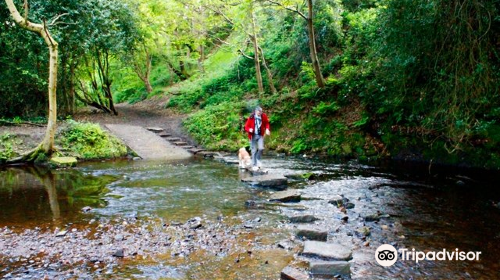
311, 233
330, 268
120, 253
303, 219
273, 181
327, 251
286, 196
292, 273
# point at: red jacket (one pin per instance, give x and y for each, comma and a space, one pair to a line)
251, 124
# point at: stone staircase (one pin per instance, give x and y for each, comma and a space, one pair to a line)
179, 142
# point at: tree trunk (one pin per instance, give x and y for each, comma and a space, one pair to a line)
312, 47
47, 144
268, 71
144, 76
72, 87
253, 37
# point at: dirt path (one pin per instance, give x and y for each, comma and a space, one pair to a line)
149, 113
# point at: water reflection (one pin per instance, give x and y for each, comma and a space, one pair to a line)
30, 195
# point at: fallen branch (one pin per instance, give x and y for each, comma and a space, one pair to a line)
4, 122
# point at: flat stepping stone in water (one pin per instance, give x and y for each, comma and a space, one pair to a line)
228, 160
330, 268
303, 219
311, 233
173, 139
273, 181
208, 154
292, 273
327, 251
286, 196
164, 134
257, 172
155, 129
195, 150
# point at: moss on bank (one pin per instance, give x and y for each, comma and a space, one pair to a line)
85, 141
89, 141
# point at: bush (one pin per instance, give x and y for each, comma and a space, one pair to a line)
219, 127
89, 141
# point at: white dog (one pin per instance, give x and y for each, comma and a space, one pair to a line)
244, 159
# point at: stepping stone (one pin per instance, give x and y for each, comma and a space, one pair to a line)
337, 200
303, 219
311, 233
286, 196
330, 268
292, 273
274, 181
327, 251
187, 147
155, 129
227, 160
179, 143
257, 172
173, 139
208, 154
195, 150
164, 134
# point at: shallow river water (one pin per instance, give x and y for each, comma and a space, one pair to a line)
428, 210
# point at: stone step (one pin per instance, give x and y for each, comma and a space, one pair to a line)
155, 129
173, 139
327, 251
330, 269
180, 143
311, 232
273, 181
286, 196
195, 150
303, 219
292, 273
208, 154
164, 134
187, 147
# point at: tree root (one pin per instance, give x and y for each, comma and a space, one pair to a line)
30, 156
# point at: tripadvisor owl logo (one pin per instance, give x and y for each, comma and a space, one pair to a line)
386, 255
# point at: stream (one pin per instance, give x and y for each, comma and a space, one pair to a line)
195, 219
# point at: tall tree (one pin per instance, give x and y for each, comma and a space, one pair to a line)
309, 18
47, 144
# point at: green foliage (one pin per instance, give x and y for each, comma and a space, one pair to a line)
6, 150
89, 141
219, 127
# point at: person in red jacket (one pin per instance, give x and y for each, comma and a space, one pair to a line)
257, 126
